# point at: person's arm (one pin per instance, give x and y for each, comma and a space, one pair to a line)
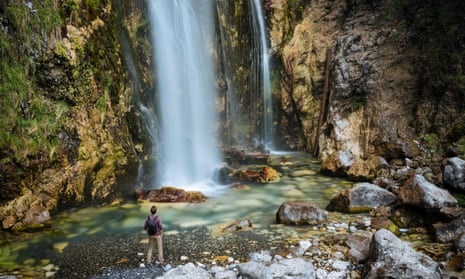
160, 225
145, 225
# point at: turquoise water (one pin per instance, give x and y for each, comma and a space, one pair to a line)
256, 202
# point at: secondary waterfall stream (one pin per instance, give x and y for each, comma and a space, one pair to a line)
261, 78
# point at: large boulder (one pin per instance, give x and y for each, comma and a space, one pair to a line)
361, 197
390, 257
297, 268
300, 213
419, 192
454, 173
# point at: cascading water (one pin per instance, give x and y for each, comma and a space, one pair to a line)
183, 41
261, 69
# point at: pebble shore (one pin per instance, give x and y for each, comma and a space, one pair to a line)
123, 255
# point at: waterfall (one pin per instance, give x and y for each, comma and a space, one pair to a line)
261, 70
187, 151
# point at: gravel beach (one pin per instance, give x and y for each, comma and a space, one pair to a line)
121, 255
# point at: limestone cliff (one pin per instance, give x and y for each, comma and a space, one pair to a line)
392, 92
69, 127
64, 137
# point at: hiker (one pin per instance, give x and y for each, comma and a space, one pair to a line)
154, 228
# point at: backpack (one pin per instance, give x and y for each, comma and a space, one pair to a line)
152, 225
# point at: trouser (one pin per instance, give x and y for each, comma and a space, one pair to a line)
152, 240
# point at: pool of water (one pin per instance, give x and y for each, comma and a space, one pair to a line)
256, 202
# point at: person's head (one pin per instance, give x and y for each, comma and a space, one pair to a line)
153, 209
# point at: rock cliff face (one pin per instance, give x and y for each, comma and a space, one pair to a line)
64, 137
381, 98
66, 89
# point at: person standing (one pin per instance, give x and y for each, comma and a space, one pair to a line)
154, 228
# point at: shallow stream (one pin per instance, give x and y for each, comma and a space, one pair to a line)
255, 202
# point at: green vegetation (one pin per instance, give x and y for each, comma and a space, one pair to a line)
460, 198
30, 124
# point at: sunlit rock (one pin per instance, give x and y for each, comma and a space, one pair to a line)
300, 213
390, 257
170, 194
338, 163
267, 175
366, 170
35, 218
8, 222
238, 225
361, 197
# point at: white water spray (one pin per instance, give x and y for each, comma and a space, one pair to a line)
183, 40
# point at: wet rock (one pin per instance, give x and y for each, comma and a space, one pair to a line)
300, 173
8, 222
285, 268
249, 175
238, 225
300, 213
390, 257
362, 197
454, 173
419, 192
410, 217
264, 175
36, 218
236, 156
170, 194
268, 174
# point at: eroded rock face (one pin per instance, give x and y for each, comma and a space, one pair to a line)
300, 213
81, 99
361, 197
390, 257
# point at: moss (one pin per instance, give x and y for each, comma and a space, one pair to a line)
460, 198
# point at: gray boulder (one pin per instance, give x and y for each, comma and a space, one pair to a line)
361, 197
300, 213
296, 268
422, 193
390, 257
